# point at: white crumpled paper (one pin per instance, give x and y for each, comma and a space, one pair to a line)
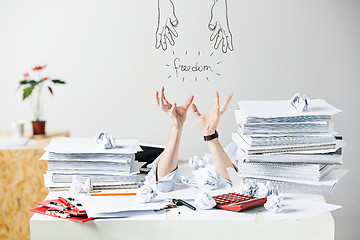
146, 194
262, 190
204, 201
197, 162
300, 103
79, 186
250, 188
274, 203
105, 140
207, 178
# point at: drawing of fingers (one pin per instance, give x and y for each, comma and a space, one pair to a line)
218, 40
171, 28
158, 39
219, 26
169, 37
230, 42
167, 22
224, 42
163, 40
215, 31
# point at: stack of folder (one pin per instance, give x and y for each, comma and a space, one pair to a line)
298, 151
83, 157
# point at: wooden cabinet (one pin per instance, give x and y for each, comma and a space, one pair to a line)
22, 183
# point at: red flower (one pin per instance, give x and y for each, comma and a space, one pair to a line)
46, 78
26, 75
38, 68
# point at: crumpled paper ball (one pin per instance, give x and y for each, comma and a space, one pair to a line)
250, 188
262, 190
207, 178
274, 203
105, 140
300, 103
146, 194
187, 180
197, 162
79, 186
204, 201
259, 189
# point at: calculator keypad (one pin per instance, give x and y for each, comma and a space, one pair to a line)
237, 202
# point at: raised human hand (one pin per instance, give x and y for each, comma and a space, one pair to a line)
209, 121
219, 26
167, 22
177, 115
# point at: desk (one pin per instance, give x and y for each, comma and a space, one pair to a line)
21, 184
317, 227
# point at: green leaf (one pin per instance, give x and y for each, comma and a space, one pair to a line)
23, 82
58, 81
27, 92
51, 91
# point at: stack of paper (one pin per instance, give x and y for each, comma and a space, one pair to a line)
84, 158
295, 150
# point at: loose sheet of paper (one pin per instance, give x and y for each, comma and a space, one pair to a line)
12, 142
116, 204
89, 145
329, 180
212, 215
282, 108
131, 215
295, 208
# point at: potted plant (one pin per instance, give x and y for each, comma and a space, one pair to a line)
32, 90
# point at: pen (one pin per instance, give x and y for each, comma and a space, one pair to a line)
111, 194
180, 202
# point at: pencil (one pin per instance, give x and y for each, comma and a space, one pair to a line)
112, 194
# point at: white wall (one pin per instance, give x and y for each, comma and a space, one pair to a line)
105, 51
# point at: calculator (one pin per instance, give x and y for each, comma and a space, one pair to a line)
237, 202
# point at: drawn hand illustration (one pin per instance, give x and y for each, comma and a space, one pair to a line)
167, 22
219, 26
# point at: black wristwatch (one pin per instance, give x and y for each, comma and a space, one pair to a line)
211, 137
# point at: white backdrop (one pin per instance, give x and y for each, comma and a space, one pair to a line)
105, 50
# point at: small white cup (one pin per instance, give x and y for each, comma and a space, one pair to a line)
18, 129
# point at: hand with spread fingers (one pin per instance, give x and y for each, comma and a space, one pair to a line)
167, 163
219, 26
167, 22
208, 122
176, 114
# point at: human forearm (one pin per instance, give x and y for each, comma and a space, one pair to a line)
221, 159
168, 160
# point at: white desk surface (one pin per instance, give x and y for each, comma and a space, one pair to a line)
317, 227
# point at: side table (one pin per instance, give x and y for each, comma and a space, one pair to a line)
21, 183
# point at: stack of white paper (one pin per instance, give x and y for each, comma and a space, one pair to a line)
280, 144
84, 158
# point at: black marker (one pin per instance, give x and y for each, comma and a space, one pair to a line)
180, 202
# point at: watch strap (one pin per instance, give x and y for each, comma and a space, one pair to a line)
211, 137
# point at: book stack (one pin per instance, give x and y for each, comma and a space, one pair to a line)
298, 151
82, 157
